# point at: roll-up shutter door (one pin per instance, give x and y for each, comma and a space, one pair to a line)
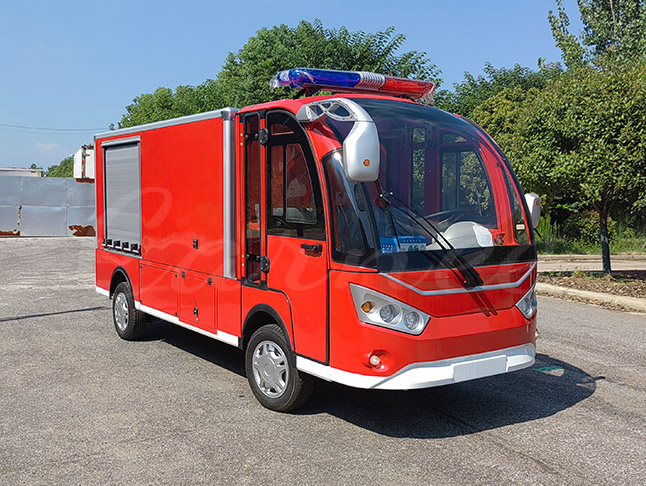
123, 195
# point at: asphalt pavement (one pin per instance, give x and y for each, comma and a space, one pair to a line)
81, 406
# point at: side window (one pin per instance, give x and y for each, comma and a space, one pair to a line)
294, 196
350, 226
299, 195
252, 198
520, 228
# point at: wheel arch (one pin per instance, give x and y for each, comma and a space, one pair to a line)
119, 275
261, 315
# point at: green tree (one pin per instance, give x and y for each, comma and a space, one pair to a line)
473, 91
164, 104
245, 75
63, 169
613, 31
583, 136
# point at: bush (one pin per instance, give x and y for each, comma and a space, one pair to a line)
584, 226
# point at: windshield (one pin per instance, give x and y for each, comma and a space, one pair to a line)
439, 168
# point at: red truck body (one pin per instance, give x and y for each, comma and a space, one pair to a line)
234, 220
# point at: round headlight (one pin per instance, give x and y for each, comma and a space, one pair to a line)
413, 320
388, 312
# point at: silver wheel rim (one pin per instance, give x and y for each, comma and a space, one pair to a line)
121, 311
270, 369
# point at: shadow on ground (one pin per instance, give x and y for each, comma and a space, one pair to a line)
548, 387
49, 314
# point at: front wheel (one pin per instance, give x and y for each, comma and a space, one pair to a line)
128, 321
272, 373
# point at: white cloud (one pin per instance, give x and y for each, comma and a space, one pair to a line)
48, 147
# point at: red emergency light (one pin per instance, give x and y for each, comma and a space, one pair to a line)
313, 80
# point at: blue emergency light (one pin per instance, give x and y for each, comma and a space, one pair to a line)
313, 80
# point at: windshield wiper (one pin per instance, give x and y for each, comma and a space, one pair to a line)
471, 276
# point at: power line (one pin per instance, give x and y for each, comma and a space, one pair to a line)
23, 127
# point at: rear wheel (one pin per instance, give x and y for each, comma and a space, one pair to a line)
128, 321
272, 373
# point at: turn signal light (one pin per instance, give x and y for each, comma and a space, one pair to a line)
367, 306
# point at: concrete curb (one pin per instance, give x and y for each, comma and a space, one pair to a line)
629, 302
570, 257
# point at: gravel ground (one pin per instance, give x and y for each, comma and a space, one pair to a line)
628, 283
625, 283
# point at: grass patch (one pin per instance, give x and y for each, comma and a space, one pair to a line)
561, 246
625, 241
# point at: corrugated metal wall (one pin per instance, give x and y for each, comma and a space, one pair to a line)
46, 206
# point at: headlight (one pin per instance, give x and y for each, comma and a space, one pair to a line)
528, 304
379, 309
388, 312
413, 321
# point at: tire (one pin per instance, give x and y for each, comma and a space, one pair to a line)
271, 371
128, 321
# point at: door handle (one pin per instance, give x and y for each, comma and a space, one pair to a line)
318, 248
263, 260
264, 264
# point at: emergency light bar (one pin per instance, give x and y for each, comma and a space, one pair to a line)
313, 80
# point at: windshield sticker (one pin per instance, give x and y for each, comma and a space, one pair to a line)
406, 243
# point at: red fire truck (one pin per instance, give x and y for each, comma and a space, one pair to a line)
361, 237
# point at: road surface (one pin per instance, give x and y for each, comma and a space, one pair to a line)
80, 406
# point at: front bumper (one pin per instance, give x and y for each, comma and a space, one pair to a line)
431, 373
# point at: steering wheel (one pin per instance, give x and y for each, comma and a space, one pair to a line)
446, 218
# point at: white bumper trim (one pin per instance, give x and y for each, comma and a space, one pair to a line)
430, 373
225, 337
102, 291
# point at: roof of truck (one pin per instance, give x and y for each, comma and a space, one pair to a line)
293, 105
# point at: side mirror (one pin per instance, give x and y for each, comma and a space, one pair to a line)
361, 148
361, 152
534, 206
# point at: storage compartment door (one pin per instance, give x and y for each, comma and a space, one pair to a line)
159, 289
197, 301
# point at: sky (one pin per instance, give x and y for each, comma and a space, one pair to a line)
68, 69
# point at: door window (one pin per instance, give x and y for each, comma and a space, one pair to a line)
252, 198
295, 207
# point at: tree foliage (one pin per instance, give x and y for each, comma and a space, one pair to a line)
474, 91
581, 138
244, 78
65, 168
613, 31
164, 103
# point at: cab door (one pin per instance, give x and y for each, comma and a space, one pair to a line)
296, 246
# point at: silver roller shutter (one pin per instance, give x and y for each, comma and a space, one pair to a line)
123, 195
